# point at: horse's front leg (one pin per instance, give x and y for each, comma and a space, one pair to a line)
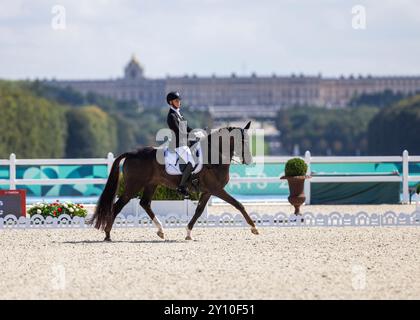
204, 198
222, 194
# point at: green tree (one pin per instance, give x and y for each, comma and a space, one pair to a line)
125, 134
325, 131
32, 127
382, 99
396, 128
91, 133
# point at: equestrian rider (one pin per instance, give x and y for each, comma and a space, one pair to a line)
178, 125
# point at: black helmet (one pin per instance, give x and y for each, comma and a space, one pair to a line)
172, 96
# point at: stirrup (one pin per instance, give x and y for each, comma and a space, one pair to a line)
183, 191
195, 184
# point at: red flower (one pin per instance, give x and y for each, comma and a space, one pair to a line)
55, 213
59, 209
81, 206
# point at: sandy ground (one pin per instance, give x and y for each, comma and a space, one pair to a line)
221, 263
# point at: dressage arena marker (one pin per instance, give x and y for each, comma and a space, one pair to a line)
280, 219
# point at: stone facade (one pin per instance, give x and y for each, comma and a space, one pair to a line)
256, 92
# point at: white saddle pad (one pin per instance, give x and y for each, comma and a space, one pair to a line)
172, 160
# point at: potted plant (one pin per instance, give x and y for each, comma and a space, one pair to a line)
295, 174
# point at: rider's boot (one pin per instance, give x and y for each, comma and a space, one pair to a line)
185, 176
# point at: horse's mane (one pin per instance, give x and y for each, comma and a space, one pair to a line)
227, 128
218, 131
217, 134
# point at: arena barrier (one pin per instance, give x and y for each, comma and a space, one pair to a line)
280, 219
403, 177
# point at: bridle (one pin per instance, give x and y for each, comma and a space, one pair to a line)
233, 153
243, 149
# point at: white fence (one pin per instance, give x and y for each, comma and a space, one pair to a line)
280, 219
13, 162
404, 177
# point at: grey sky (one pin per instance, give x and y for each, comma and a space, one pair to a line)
203, 37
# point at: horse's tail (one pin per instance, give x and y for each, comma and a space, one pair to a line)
103, 212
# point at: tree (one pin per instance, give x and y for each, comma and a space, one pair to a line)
396, 128
382, 99
125, 134
325, 131
91, 133
24, 103
31, 127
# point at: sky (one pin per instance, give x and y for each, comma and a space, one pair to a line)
206, 37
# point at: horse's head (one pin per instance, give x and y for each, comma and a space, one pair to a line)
229, 142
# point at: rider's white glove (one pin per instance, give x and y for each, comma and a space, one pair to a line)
199, 134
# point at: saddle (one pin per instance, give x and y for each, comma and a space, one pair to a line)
172, 160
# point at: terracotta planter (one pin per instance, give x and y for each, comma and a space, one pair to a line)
296, 188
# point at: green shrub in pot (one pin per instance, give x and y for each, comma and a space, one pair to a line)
295, 167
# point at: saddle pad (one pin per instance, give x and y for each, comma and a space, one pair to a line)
172, 160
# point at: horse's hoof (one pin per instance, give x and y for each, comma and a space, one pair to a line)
188, 238
107, 240
254, 230
161, 234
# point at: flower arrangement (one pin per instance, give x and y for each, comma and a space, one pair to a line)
58, 208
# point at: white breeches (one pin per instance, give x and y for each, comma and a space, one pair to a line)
185, 154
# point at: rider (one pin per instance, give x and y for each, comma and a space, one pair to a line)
177, 124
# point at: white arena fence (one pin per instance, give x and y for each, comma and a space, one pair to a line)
404, 177
280, 219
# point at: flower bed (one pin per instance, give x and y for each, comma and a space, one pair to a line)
58, 208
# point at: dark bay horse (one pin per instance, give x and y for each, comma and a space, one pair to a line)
143, 172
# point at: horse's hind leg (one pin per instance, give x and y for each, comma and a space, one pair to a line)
132, 185
130, 190
145, 202
117, 207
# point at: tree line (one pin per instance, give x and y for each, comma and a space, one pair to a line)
372, 124
396, 128
41, 121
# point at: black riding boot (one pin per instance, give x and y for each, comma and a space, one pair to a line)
185, 176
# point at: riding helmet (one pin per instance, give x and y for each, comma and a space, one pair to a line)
172, 96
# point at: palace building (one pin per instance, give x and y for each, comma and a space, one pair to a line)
240, 94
